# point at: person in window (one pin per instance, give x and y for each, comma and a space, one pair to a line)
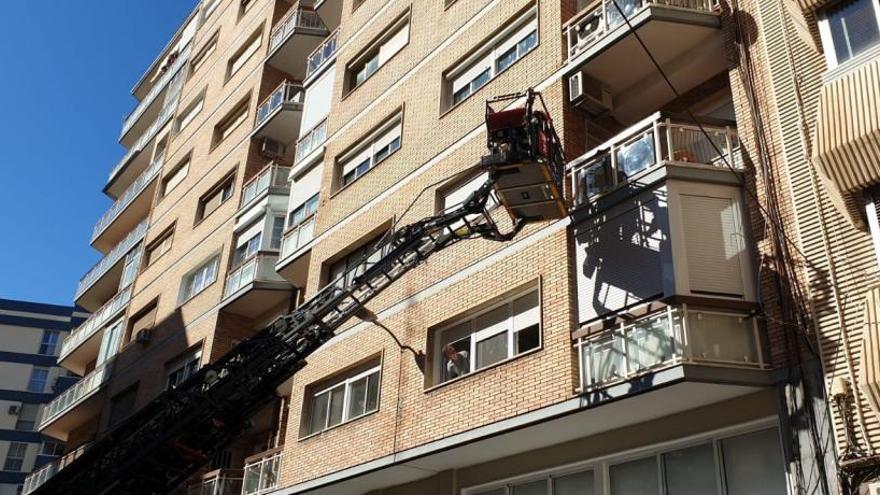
457, 362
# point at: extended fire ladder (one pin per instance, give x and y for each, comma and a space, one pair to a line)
176, 434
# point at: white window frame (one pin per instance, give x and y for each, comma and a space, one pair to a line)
232, 122
241, 57
347, 383
205, 53
370, 146
489, 54
374, 57
208, 8
477, 336
19, 457
159, 246
181, 363
31, 379
187, 286
175, 177
828, 40
55, 337
191, 112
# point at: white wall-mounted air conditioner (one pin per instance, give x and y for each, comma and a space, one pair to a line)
589, 94
270, 148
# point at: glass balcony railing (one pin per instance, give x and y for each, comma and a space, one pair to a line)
148, 100
114, 256
599, 18
130, 194
677, 335
273, 175
219, 482
261, 267
297, 237
323, 53
300, 18
286, 92
40, 476
76, 394
95, 322
262, 473
164, 117
645, 145
310, 142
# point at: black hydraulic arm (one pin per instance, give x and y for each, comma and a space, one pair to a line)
176, 434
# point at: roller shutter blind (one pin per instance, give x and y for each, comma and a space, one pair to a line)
713, 243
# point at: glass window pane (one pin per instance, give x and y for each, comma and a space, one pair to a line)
318, 417
337, 400
690, 471
538, 487
492, 350
636, 156
753, 464
526, 340
574, 484
635, 478
853, 26
357, 398
372, 393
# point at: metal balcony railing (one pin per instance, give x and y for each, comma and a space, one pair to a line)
602, 16
130, 194
286, 92
301, 17
323, 53
308, 143
219, 482
676, 335
114, 256
76, 394
95, 322
160, 86
260, 267
262, 472
647, 144
273, 175
45, 472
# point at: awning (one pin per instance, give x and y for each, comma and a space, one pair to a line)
869, 373
847, 150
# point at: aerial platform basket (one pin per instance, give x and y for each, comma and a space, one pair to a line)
526, 158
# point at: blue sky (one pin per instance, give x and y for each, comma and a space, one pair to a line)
67, 72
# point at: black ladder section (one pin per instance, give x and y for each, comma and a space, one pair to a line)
177, 433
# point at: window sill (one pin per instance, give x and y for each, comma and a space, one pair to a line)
480, 371
335, 427
853, 64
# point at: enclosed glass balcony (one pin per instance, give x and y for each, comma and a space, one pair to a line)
262, 472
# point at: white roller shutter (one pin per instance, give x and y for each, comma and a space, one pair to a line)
714, 245
317, 101
515, 37
306, 186
351, 163
254, 229
394, 44
388, 136
465, 77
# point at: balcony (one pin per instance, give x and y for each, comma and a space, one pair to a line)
271, 181
673, 337
262, 472
127, 211
40, 476
82, 345
219, 482
295, 252
148, 108
653, 142
278, 117
253, 288
683, 35
104, 280
77, 405
310, 142
325, 52
294, 37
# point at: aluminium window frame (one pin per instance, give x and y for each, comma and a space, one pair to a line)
369, 141
191, 111
244, 53
181, 363
44, 380
186, 293
829, 52
346, 398
55, 340
23, 446
372, 50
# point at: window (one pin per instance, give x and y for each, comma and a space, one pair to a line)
230, 123
243, 54
160, 245
122, 405
378, 53
182, 368
452, 197
343, 399
379, 146
130, 266
145, 319
248, 243
191, 112
199, 279
343, 271
49, 343
215, 197
52, 448
303, 212
245, 7
27, 417
498, 54
110, 341
848, 28
277, 233
15, 457
208, 8
39, 378
204, 54
496, 334
175, 177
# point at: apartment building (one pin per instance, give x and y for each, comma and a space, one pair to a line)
30, 337
704, 321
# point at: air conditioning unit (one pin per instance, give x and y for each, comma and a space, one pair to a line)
270, 148
589, 94
144, 336
14, 410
